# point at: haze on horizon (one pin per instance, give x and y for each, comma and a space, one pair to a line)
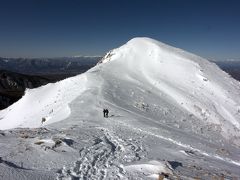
89, 27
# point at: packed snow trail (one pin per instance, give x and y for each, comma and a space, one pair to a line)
101, 159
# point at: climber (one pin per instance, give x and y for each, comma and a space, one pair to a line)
107, 113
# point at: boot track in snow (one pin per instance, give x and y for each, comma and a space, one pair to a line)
101, 159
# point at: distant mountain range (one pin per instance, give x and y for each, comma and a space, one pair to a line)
39, 66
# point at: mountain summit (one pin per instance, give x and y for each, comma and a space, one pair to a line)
188, 85
188, 82
181, 105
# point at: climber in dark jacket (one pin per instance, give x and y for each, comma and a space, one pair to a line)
107, 113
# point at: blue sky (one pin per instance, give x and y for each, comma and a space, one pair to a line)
54, 28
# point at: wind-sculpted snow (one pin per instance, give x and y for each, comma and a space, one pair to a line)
187, 81
172, 114
46, 104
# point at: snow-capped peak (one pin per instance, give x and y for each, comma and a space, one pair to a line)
193, 83
186, 83
172, 115
147, 46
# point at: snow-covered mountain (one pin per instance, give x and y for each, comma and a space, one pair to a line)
171, 112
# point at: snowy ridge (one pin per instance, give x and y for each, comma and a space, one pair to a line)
172, 114
48, 103
185, 80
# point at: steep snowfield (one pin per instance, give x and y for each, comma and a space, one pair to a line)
186, 81
171, 112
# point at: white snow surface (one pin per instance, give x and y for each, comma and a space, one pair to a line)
166, 105
188, 82
49, 102
151, 169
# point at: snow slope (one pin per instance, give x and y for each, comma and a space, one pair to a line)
166, 105
48, 102
187, 82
